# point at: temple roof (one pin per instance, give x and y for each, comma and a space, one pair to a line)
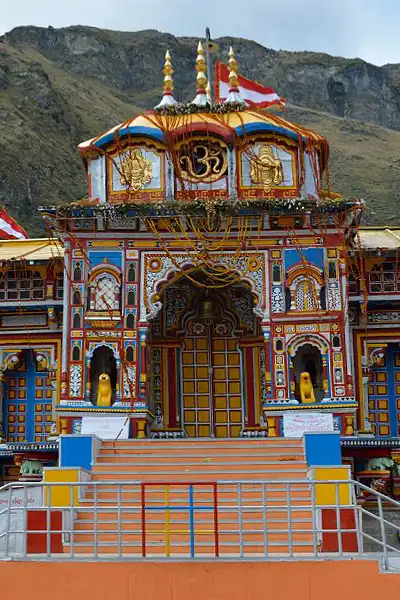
373, 238
39, 249
155, 125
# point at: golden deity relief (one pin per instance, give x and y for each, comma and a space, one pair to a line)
202, 162
135, 170
266, 169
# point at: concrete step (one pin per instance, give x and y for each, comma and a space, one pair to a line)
181, 458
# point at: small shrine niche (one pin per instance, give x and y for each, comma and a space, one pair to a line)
103, 362
308, 359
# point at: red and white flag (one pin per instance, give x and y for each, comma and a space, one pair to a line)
251, 91
9, 229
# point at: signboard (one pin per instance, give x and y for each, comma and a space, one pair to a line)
295, 425
106, 428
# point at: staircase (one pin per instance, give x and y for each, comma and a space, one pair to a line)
186, 513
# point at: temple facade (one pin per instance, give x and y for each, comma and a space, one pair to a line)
210, 284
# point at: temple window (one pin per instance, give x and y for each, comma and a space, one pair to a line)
384, 278
304, 296
60, 286
129, 354
332, 271
336, 341
104, 293
130, 321
76, 353
76, 322
276, 274
22, 285
131, 298
132, 272
77, 273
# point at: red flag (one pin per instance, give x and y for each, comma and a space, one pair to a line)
251, 91
9, 229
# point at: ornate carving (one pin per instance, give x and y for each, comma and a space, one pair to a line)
75, 380
151, 305
277, 299
129, 381
266, 169
333, 296
135, 170
384, 317
201, 162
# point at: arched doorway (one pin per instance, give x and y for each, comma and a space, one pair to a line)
207, 331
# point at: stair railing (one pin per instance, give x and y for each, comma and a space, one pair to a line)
257, 520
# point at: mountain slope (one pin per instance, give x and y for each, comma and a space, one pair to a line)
59, 87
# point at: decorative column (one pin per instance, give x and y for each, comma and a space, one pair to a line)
2, 382
266, 329
88, 393
325, 380
143, 360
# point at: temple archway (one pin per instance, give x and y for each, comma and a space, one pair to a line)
205, 348
308, 359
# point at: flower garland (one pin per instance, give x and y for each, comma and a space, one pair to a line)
188, 108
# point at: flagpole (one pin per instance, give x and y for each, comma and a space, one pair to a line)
208, 57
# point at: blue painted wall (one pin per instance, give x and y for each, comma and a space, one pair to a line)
315, 256
76, 451
322, 449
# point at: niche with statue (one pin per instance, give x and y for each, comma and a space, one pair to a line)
103, 376
308, 375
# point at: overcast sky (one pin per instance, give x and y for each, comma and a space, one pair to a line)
369, 29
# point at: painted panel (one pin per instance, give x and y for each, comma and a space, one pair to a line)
154, 179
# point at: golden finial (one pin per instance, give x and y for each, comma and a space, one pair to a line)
208, 91
233, 65
168, 96
201, 79
234, 93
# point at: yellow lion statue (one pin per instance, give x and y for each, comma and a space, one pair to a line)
104, 390
306, 389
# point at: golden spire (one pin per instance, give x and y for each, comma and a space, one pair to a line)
234, 93
168, 96
201, 79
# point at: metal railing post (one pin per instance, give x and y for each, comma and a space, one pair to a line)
95, 521
119, 532
338, 519
264, 518
289, 518
314, 519
72, 528
48, 525
240, 518
383, 533
25, 523
8, 524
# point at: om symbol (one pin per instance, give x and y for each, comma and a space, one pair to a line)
201, 162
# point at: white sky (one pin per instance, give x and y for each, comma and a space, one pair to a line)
369, 29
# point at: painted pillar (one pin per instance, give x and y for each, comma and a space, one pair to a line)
88, 380
2, 385
66, 327
267, 349
143, 360
325, 377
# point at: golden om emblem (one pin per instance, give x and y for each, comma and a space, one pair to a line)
135, 170
203, 162
266, 169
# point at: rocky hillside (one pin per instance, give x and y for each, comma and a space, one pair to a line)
61, 86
